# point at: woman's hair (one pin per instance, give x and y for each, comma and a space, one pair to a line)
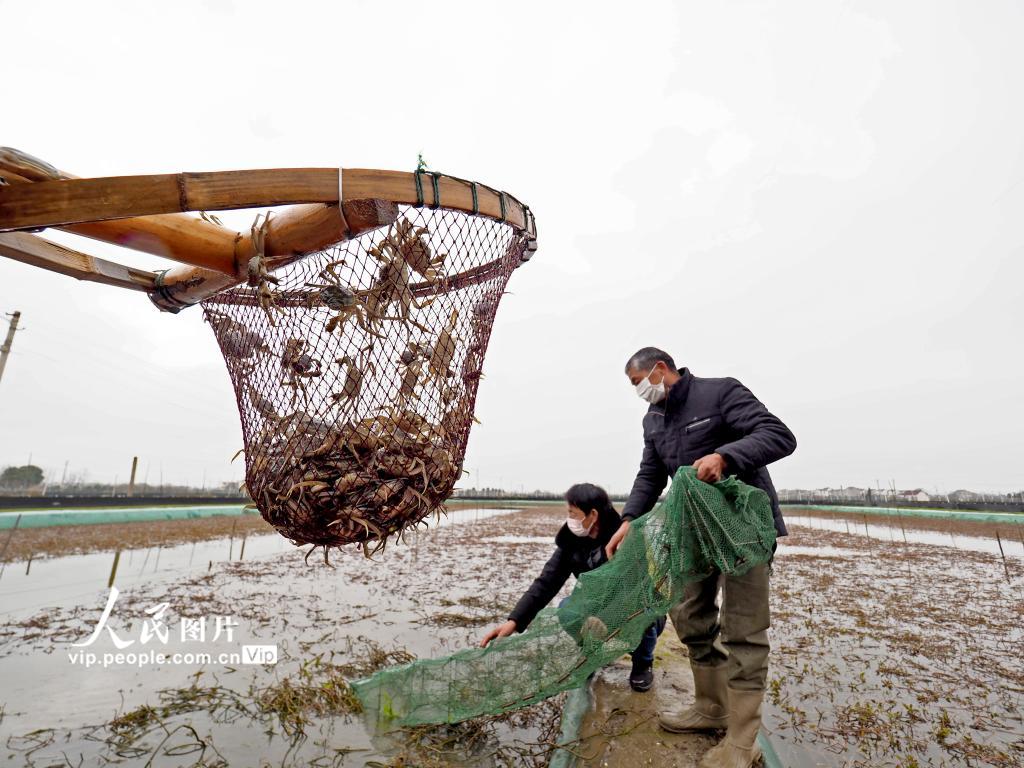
587, 496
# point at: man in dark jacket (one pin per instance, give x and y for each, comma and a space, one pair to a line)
720, 428
580, 547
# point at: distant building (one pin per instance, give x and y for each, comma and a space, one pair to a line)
915, 495
852, 493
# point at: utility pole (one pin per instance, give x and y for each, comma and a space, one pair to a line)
131, 483
6, 348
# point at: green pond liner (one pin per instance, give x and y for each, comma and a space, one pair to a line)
933, 514
768, 754
577, 704
94, 516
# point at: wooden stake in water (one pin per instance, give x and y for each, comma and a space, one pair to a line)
3, 555
1003, 555
113, 569
902, 528
231, 539
241, 555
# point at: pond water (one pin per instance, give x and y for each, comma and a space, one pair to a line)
62, 581
892, 532
417, 597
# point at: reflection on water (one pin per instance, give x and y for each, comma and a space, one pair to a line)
822, 551
1011, 547
520, 540
61, 581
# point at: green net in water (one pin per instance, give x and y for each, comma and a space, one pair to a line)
697, 529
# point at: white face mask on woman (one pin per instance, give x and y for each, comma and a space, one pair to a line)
652, 393
577, 527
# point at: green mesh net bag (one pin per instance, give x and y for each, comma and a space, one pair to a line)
697, 529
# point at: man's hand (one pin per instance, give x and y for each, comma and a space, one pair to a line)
710, 468
616, 539
502, 630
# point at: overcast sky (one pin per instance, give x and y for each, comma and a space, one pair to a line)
820, 198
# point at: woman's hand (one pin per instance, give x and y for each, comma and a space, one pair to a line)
502, 630
616, 539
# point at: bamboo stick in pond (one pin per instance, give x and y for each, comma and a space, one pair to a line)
113, 569
28, 565
241, 555
902, 527
1002, 554
3, 555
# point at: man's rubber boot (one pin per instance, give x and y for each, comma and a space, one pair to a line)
739, 748
708, 712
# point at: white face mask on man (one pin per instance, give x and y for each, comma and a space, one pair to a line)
652, 393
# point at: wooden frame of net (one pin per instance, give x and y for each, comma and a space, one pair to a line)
353, 324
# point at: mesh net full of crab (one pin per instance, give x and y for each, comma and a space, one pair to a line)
356, 371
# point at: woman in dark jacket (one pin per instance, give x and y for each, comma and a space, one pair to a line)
580, 547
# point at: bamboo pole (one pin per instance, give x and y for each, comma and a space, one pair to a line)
178, 236
39, 252
175, 236
61, 202
147, 213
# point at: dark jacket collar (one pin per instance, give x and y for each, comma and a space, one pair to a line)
608, 521
676, 396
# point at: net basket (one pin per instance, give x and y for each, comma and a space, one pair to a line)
356, 371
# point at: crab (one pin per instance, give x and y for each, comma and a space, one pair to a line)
296, 366
339, 297
392, 285
444, 349
362, 436
353, 384
400, 465
449, 393
236, 340
257, 274
412, 244
412, 368
409, 505
263, 406
409, 422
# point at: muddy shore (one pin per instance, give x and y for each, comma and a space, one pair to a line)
885, 653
